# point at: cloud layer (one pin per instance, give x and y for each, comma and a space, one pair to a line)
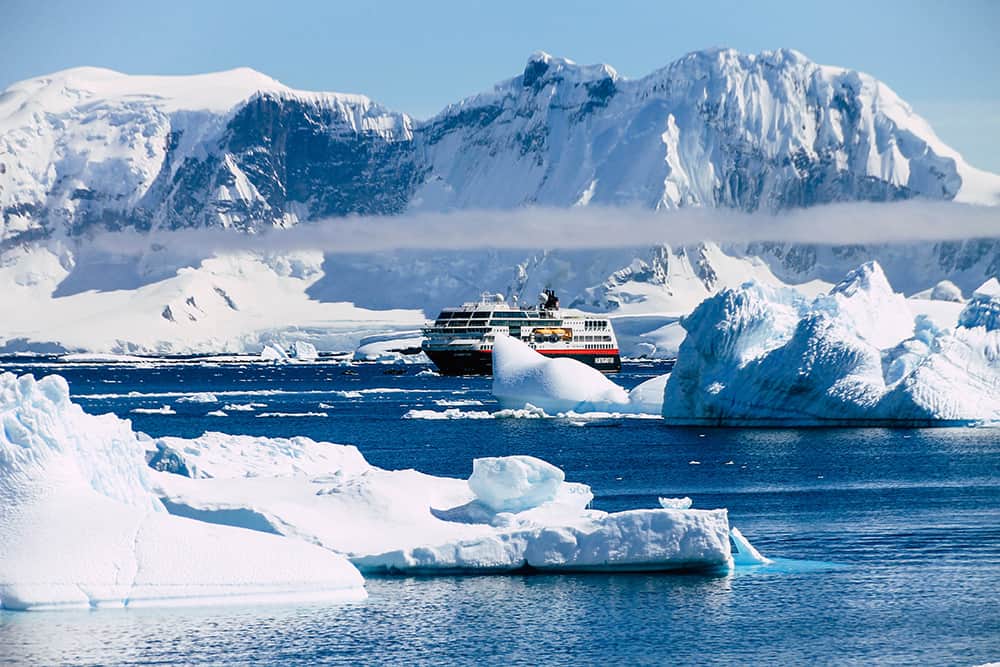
592, 227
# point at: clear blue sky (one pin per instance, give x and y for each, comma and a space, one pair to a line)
943, 57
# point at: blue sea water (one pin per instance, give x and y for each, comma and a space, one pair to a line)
888, 540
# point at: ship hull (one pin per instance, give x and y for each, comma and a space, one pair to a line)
478, 362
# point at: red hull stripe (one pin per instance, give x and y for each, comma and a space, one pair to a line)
553, 352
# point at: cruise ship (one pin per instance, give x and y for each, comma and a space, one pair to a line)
460, 340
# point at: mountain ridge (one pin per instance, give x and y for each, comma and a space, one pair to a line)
89, 148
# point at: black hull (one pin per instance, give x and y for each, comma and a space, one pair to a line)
455, 362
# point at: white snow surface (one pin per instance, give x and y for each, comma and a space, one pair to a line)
759, 355
79, 526
220, 455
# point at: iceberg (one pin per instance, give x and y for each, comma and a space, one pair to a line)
512, 513
392, 348
200, 397
81, 527
522, 376
760, 355
273, 353
304, 351
514, 483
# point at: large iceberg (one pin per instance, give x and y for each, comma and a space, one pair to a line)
760, 355
522, 376
512, 513
80, 526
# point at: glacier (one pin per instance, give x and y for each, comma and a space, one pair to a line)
80, 525
764, 356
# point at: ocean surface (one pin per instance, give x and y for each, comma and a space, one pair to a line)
888, 541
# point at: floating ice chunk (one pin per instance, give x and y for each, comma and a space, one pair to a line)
744, 553
394, 347
527, 412
216, 413
201, 397
80, 527
273, 353
648, 397
632, 541
243, 407
521, 375
291, 414
162, 410
675, 503
514, 483
457, 403
304, 351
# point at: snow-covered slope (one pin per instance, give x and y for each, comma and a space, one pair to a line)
90, 148
61, 296
230, 302
760, 355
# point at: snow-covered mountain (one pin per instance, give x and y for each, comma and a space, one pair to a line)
90, 148
715, 128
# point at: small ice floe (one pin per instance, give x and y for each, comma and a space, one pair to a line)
348, 394
303, 351
457, 402
675, 503
216, 413
162, 410
743, 552
243, 407
292, 414
694, 463
529, 412
273, 353
201, 397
